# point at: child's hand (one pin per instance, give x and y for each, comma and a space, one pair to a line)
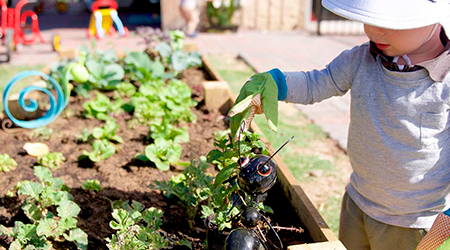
259, 95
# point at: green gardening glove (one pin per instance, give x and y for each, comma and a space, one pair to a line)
259, 95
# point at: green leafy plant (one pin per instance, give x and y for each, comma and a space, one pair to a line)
138, 228
52, 213
163, 152
191, 187
222, 14
51, 160
142, 68
101, 107
107, 132
7, 163
227, 152
104, 71
83, 136
168, 132
93, 185
225, 158
42, 133
124, 89
101, 149
172, 55
156, 101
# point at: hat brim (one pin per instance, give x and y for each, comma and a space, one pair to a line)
391, 14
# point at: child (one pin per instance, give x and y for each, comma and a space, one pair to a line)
399, 136
191, 16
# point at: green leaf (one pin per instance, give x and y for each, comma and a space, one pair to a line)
32, 189
15, 245
79, 237
67, 224
179, 61
97, 132
46, 227
24, 232
224, 175
123, 220
162, 165
42, 173
213, 155
93, 185
7, 163
32, 212
68, 209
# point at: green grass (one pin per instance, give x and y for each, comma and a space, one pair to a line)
331, 212
8, 71
300, 165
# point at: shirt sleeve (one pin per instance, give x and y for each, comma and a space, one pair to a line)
307, 87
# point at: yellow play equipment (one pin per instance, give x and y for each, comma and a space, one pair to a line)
104, 16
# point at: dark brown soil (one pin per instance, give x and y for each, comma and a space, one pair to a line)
120, 177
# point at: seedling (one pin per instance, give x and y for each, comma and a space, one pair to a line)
192, 187
92, 185
101, 107
52, 213
139, 228
51, 160
7, 163
163, 152
107, 132
101, 149
43, 133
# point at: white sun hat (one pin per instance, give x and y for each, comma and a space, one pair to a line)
393, 14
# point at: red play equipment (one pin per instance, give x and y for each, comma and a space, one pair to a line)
14, 23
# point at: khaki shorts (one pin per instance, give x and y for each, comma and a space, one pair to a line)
358, 231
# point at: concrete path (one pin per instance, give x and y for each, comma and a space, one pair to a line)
286, 50
291, 51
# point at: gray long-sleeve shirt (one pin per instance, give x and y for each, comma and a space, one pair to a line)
399, 137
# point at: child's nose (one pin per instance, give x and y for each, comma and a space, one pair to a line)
374, 30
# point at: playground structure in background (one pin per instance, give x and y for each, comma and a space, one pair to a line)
104, 18
14, 24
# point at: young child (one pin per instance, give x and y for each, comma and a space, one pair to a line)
191, 15
399, 136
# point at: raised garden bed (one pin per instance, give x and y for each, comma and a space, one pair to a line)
124, 178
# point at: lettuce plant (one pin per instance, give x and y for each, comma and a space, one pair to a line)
51, 160
142, 68
101, 107
107, 132
172, 55
93, 185
43, 133
101, 149
104, 71
7, 163
163, 152
168, 132
97, 108
124, 89
52, 212
83, 136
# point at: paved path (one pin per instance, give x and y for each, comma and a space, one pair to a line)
291, 51
286, 50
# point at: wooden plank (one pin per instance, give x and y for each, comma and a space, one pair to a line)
332, 245
310, 217
216, 95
